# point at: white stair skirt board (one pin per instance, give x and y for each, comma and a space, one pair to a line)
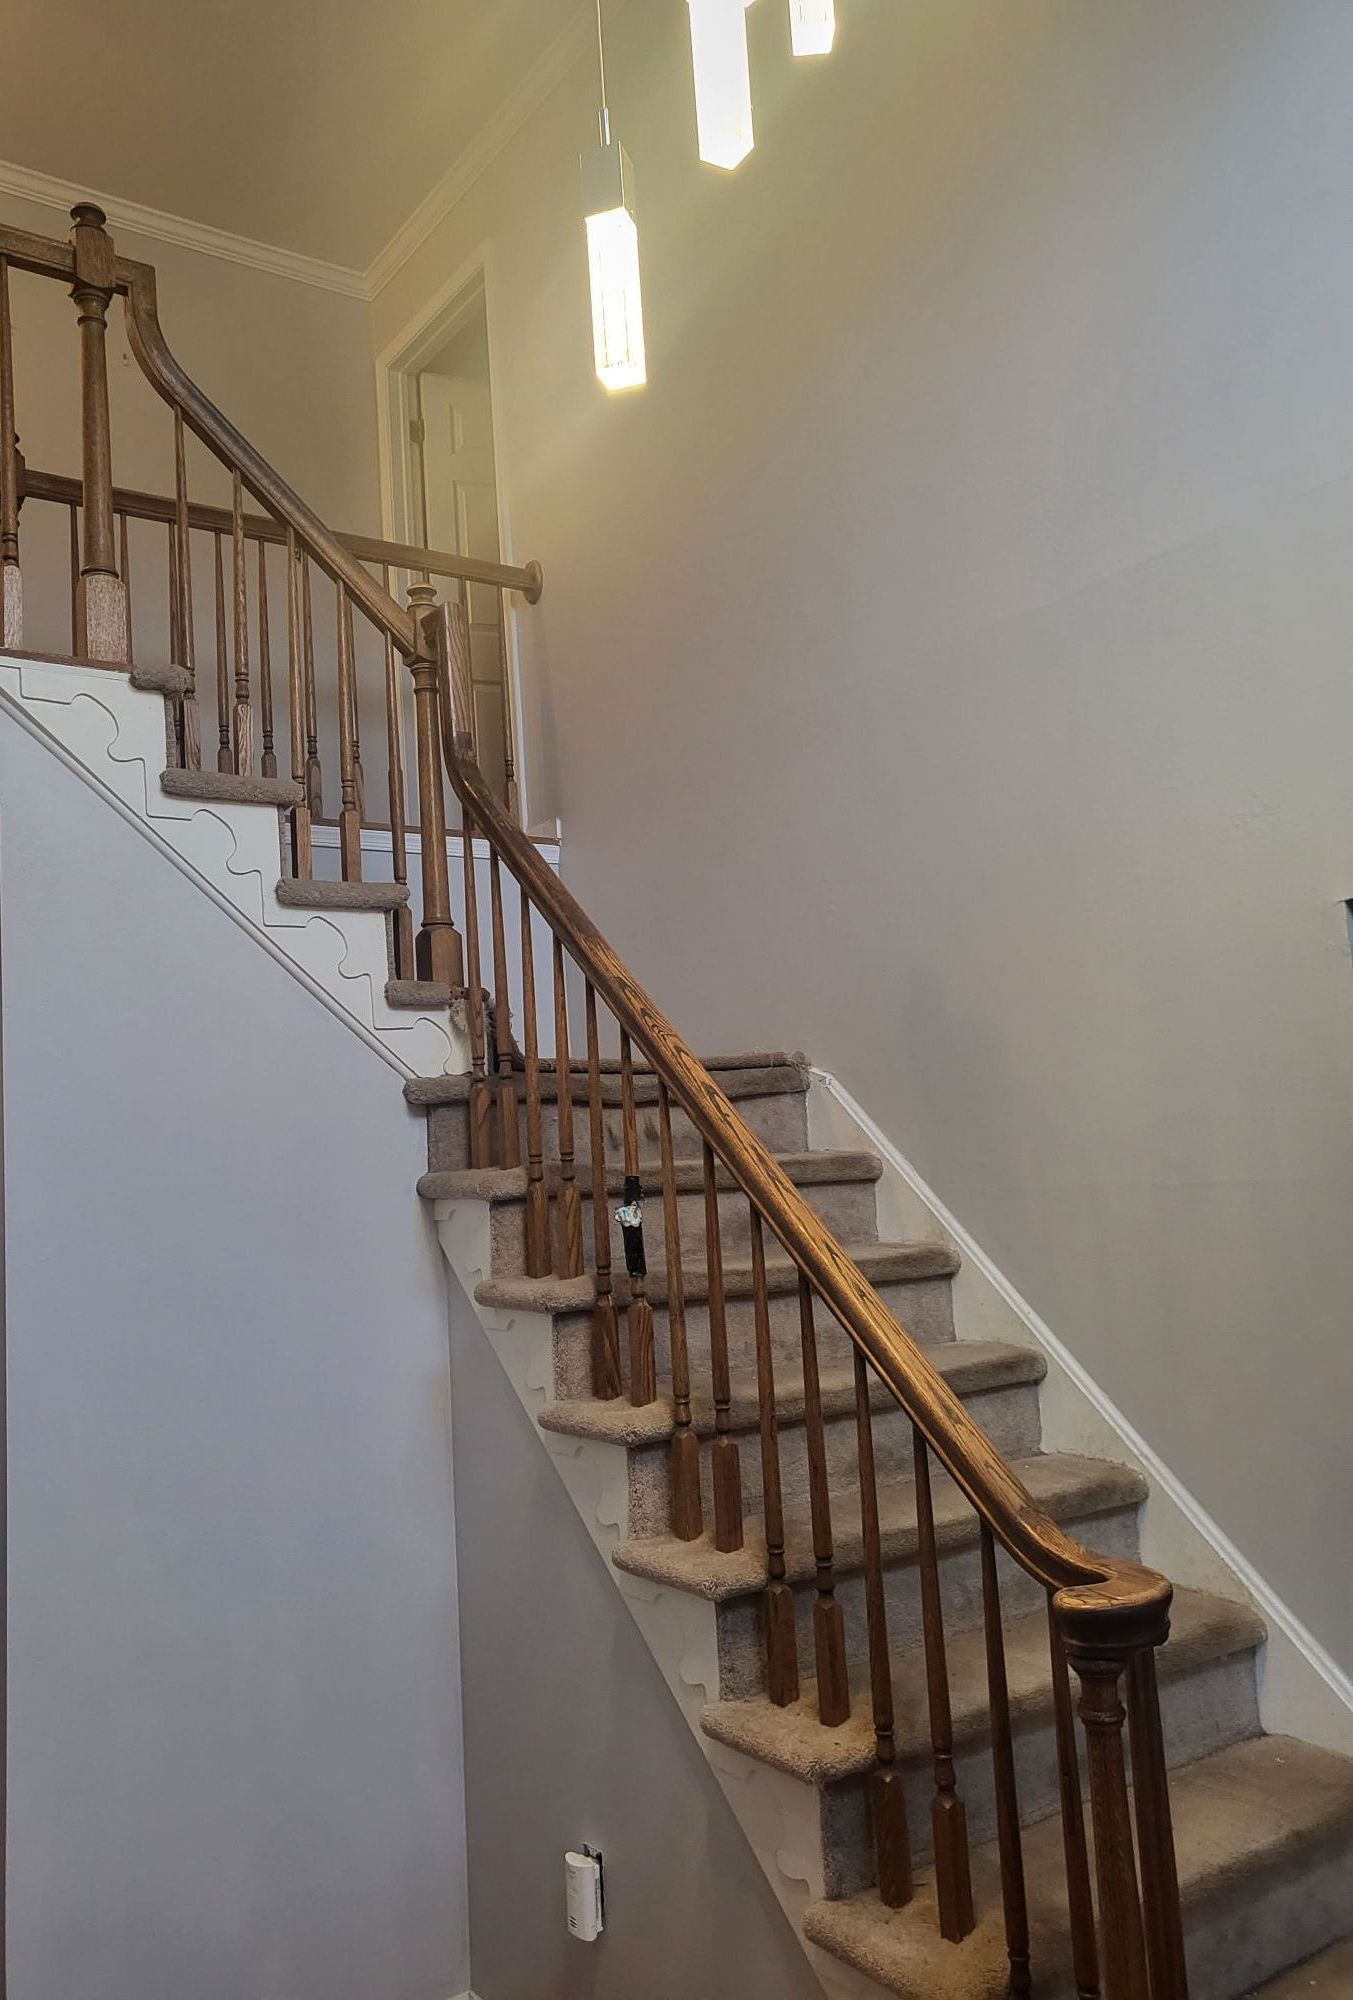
1303, 1691
114, 735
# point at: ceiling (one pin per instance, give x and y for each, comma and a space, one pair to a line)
315, 125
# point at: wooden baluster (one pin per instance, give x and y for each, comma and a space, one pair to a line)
687, 1507
103, 602
1155, 1832
358, 776
1014, 1895
225, 756
302, 859
639, 1320
77, 608
175, 649
125, 565
1080, 1898
948, 1814
1122, 1941
537, 1201
243, 731
569, 1209
438, 947
481, 1098
509, 1134
892, 1837
782, 1645
510, 786
399, 855
11, 578
829, 1632
725, 1459
268, 762
314, 776
605, 1331
349, 819
185, 635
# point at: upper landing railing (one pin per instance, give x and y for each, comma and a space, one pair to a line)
1106, 1616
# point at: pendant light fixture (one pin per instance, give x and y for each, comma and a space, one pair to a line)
723, 80
613, 253
812, 26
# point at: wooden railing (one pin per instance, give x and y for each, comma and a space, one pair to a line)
1106, 1617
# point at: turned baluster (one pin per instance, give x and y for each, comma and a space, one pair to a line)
175, 649
782, 1645
349, 818
481, 1099
225, 756
687, 1507
829, 1631
301, 855
509, 1134
243, 720
605, 1330
537, 1201
399, 854
569, 1208
124, 558
314, 777
11, 576
948, 1814
630, 1215
892, 1837
1155, 1832
185, 636
268, 761
1080, 1898
77, 608
358, 775
725, 1458
103, 603
1100, 1670
510, 787
1009, 1840
438, 949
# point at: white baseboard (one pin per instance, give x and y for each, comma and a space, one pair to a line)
1303, 1689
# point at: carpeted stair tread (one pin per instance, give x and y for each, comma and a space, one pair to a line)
426, 995
1066, 1487
1328, 1977
160, 679
881, 1264
830, 1168
739, 1077
969, 1367
294, 895
1261, 1808
1203, 1630
225, 788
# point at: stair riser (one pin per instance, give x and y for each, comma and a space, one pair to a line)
741, 1643
1206, 1710
847, 1207
779, 1120
925, 1308
1252, 1930
1009, 1416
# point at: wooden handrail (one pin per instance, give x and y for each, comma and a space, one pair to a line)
1093, 1592
138, 506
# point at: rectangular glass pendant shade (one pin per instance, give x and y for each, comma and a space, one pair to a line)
812, 26
613, 267
723, 80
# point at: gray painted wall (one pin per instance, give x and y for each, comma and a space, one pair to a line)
947, 660
235, 1765
571, 1736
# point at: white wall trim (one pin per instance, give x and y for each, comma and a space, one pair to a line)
29, 185
488, 142
1289, 1706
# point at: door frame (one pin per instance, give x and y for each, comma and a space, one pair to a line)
468, 290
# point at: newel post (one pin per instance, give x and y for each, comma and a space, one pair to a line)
102, 597
437, 950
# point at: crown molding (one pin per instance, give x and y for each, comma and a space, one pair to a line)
29, 185
548, 70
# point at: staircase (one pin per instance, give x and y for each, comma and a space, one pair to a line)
979, 1747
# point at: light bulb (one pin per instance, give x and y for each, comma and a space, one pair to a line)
613, 267
812, 26
723, 80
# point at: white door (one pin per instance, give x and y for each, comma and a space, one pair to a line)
462, 519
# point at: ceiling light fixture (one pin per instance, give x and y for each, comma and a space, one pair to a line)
723, 81
613, 253
812, 26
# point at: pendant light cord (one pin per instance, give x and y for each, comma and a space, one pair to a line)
605, 118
